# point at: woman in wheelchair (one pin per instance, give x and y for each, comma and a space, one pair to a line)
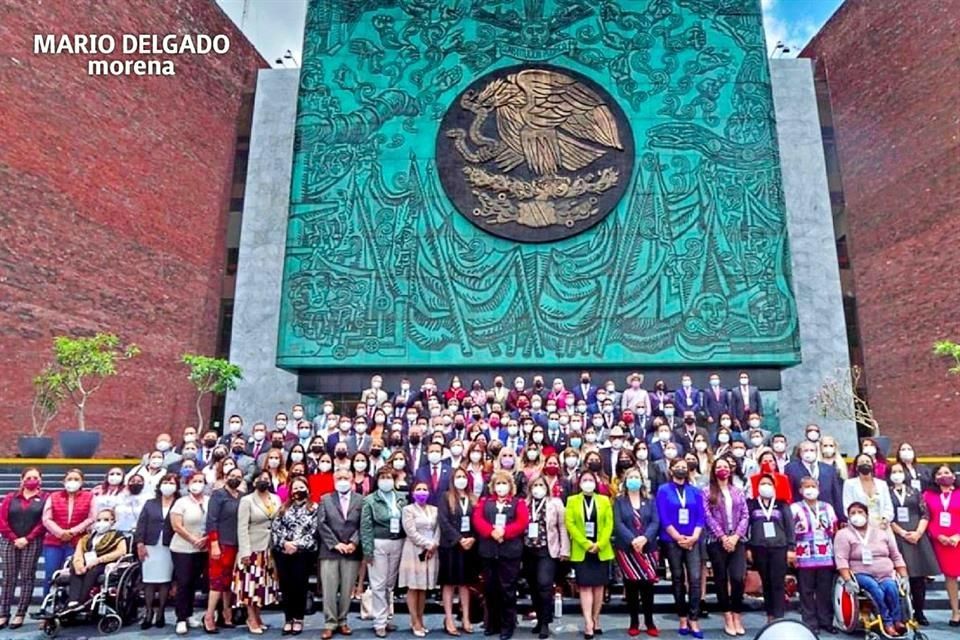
93, 553
867, 558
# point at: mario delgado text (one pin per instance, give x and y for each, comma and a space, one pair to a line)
92, 44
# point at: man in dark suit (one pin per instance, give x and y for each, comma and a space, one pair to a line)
555, 435
586, 392
687, 397
716, 400
831, 488
416, 450
342, 435
436, 473
686, 434
611, 455
403, 398
258, 443
338, 528
744, 400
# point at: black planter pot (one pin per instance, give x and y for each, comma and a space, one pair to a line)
79, 444
34, 446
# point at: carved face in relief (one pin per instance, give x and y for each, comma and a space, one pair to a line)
534, 153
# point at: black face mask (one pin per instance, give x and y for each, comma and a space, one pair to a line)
209, 444
595, 465
277, 444
414, 439
689, 421
397, 442
316, 448
300, 495
864, 468
376, 452
623, 465
498, 384
538, 384
680, 472
237, 450
262, 485
234, 483
585, 380
135, 489
341, 454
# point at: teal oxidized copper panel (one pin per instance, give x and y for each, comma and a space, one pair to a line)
690, 266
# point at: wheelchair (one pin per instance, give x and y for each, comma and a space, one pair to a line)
114, 603
860, 612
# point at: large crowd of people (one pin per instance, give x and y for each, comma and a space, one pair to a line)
429, 489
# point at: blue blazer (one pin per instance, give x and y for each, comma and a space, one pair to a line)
623, 523
151, 522
831, 488
680, 400
424, 475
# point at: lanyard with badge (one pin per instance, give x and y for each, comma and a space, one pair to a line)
866, 555
903, 514
818, 526
394, 514
945, 519
769, 527
465, 518
500, 522
683, 514
590, 528
914, 478
533, 529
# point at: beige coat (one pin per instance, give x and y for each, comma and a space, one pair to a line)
253, 524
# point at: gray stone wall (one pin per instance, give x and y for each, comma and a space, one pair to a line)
265, 389
816, 275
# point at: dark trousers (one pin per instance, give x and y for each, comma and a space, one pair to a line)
82, 584
189, 571
293, 571
539, 570
639, 596
685, 569
500, 594
918, 595
729, 571
816, 597
771, 564
19, 570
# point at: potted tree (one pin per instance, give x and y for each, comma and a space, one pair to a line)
210, 375
48, 395
82, 365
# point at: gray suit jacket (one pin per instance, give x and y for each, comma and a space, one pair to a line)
333, 528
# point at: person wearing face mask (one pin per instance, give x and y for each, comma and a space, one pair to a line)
635, 398
273, 464
151, 471
94, 551
125, 501
910, 523
506, 460
338, 526
870, 447
321, 481
814, 525
221, 528
500, 521
650, 473
689, 431
662, 436
780, 454
381, 536
233, 429
67, 514
767, 464
545, 543
918, 476
635, 545
586, 392
867, 489
829, 487
867, 558
151, 540
258, 443
671, 417
375, 392
571, 470
323, 419
293, 539
830, 454
519, 391
164, 444
723, 441
589, 521
435, 474
745, 400
188, 548
680, 511
716, 403
255, 582
943, 504
532, 465
477, 467
670, 452
21, 536
457, 553
771, 543
296, 455
726, 525
418, 559
360, 477
563, 397
659, 397
687, 397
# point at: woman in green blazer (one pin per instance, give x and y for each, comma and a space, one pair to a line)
589, 520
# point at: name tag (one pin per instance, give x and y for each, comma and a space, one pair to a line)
769, 530
915, 483
477, 488
500, 521
394, 525
89, 558
683, 516
533, 530
866, 556
945, 519
902, 514
591, 529
464, 524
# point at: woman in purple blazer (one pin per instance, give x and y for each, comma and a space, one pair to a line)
726, 515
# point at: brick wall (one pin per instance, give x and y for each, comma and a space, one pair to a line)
113, 201
892, 72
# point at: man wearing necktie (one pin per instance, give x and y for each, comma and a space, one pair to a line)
436, 473
338, 528
831, 487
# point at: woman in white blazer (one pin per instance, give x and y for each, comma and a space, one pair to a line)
868, 490
255, 582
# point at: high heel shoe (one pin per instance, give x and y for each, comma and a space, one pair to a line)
147, 620
257, 631
206, 629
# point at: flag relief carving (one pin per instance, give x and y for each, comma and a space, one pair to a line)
544, 181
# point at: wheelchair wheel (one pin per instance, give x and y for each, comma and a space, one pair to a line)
919, 635
870, 635
110, 624
50, 627
128, 595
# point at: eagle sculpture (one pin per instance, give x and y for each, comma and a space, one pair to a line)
544, 118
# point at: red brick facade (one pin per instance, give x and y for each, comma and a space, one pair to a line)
114, 194
893, 80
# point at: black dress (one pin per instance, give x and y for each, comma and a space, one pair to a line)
592, 572
457, 566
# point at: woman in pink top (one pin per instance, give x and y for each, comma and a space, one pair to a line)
944, 530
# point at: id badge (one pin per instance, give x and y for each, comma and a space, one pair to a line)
591, 529
501, 521
945, 519
683, 516
477, 488
866, 556
769, 530
902, 514
394, 525
464, 524
533, 530
89, 558
915, 483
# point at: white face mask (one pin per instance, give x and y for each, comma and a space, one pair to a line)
259, 435
360, 466
700, 446
512, 430
809, 456
196, 488
725, 422
591, 437
502, 490
905, 454
738, 453
235, 427
460, 482
532, 455
897, 477
723, 438
385, 484
813, 436
539, 492
858, 520
779, 447
163, 446
870, 451
571, 463
434, 457
538, 437
296, 456
669, 411
588, 487
72, 486
327, 409
167, 490
669, 454
342, 486
475, 456
616, 444
829, 450
273, 463
754, 423
811, 493
456, 451
102, 526
766, 491
664, 436
399, 464
324, 466
756, 441
642, 454
114, 479
297, 415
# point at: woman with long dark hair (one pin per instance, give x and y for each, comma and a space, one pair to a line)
635, 541
294, 540
726, 518
458, 549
